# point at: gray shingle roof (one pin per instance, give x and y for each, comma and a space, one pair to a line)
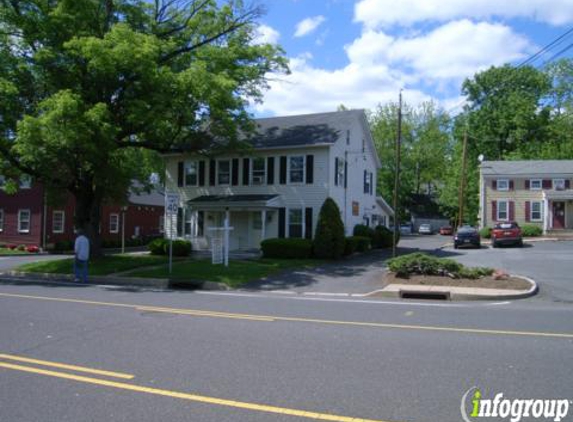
307, 129
527, 167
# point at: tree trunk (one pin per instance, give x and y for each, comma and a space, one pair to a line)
88, 217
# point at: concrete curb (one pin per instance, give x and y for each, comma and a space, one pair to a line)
459, 293
157, 283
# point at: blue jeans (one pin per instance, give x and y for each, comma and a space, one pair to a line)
81, 270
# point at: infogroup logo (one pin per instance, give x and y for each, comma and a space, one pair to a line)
513, 410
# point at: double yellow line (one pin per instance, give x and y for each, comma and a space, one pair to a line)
156, 391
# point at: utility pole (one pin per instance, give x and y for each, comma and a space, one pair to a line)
463, 181
397, 177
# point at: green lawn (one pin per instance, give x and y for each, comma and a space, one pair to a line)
236, 274
102, 266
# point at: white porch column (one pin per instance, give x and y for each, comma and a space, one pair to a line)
264, 224
545, 214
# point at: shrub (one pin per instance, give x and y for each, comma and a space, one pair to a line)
363, 230
383, 237
485, 233
180, 248
420, 263
329, 239
12, 247
158, 246
531, 230
287, 248
22, 248
64, 245
32, 249
357, 244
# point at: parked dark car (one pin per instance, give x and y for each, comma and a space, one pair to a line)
467, 236
446, 230
506, 234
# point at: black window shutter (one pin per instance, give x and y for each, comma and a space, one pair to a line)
283, 171
202, 173
270, 170
365, 179
371, 184
282, 222
309, 169
235, 172
308, 223
180, 167
246, 171
212, 172
346, 174
336, 171
179, 222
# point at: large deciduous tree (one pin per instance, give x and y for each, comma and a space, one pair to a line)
90, 88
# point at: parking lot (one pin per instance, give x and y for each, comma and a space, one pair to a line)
550, 263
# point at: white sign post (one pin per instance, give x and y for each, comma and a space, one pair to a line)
171, 206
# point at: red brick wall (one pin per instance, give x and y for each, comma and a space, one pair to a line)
31, 199
146, 217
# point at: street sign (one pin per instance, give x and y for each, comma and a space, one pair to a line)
171, 203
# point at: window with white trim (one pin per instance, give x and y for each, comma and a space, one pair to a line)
1, 220
58, 220
224, 172
295, 222
259, 171
367, 178
340, 172
536, 211
114, 223
535, 184
558, 184
24, 217
191, 171
161, 224
502, 184
257, 221
502, 210
25, 182
296, 169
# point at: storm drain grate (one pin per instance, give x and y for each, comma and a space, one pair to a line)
410, 294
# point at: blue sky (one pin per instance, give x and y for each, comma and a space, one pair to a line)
360, 53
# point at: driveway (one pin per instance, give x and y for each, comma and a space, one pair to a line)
550, 263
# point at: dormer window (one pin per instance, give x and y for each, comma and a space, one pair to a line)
502, 184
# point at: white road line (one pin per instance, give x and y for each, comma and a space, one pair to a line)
325, 299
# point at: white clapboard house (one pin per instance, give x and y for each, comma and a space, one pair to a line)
277, 188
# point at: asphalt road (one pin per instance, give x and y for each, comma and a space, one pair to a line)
252, 357
548, 263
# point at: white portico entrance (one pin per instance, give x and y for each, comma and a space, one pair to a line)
253, 218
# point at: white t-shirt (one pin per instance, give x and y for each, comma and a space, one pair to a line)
82, 248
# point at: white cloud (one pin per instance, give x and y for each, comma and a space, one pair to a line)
453, 51
379, 65
380, 13
265, 34
306, 26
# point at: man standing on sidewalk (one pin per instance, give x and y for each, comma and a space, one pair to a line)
82, 255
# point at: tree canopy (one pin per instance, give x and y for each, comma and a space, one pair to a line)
92, 89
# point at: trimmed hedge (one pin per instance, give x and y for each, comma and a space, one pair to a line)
531, 230
161, 247
357, 244
485, 233
287, 248
420, 263
363, 231
383, 237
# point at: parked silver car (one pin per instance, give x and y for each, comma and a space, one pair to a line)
425, 229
